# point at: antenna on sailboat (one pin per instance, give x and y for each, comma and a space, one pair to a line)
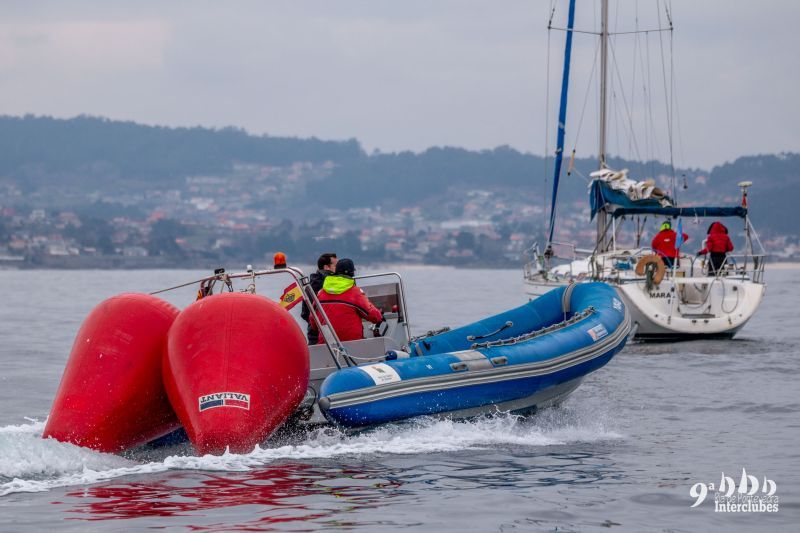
744, 185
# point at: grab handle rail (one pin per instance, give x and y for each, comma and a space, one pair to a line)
504, 327
402, 295
316, 311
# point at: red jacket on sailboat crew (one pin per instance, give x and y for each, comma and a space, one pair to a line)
664, 243
717, 241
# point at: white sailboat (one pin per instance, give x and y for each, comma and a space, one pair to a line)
691, 299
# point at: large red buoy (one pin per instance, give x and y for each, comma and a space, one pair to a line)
236, 367
111, 396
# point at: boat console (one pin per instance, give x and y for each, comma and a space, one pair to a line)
393, 334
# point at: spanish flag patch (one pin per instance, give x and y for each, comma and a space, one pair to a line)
292, 295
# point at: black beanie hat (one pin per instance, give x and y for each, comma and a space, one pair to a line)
345, 267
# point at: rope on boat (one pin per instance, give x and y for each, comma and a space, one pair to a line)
577, 317
430, 333
722, 302
182, 285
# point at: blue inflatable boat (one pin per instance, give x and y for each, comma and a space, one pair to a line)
517, 361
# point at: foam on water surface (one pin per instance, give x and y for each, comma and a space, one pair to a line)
29, 463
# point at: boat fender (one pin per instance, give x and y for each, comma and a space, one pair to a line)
391, 355
236, 367
111, 397
651, 263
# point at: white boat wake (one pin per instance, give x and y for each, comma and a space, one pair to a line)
29, 463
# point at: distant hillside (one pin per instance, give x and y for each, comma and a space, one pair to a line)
776, 188
407, 176
46, 149
43, 152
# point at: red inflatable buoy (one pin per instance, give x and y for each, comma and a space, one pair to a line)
111, 396
236, 368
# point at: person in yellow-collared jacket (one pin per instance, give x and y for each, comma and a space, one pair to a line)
345, 304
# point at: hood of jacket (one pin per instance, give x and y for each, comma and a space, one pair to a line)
337, 284
717, 228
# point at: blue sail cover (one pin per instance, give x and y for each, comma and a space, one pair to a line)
601, 195
700, 211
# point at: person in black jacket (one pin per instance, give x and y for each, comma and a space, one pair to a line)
326, 265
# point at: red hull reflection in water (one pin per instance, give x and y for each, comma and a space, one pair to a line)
278, 491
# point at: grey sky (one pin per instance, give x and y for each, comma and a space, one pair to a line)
402, 74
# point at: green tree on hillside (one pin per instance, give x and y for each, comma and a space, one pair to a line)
163, 236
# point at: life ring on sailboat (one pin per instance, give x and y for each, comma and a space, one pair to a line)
658, 268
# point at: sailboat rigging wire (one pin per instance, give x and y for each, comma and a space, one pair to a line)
668, 104
586, 96
613, 92
615, 113
668, 10
636, 50
651, 30
580, 174
676, 104
575, 31
588, 32
651, 133
622, 92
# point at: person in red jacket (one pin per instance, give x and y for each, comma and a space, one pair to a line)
718, 244
664, 244
346, 304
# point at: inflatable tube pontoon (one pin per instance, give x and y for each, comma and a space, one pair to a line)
516, 361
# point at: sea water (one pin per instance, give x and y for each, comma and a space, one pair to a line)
624, 451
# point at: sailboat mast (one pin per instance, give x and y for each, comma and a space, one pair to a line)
562, 120
602, 216
601, 153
